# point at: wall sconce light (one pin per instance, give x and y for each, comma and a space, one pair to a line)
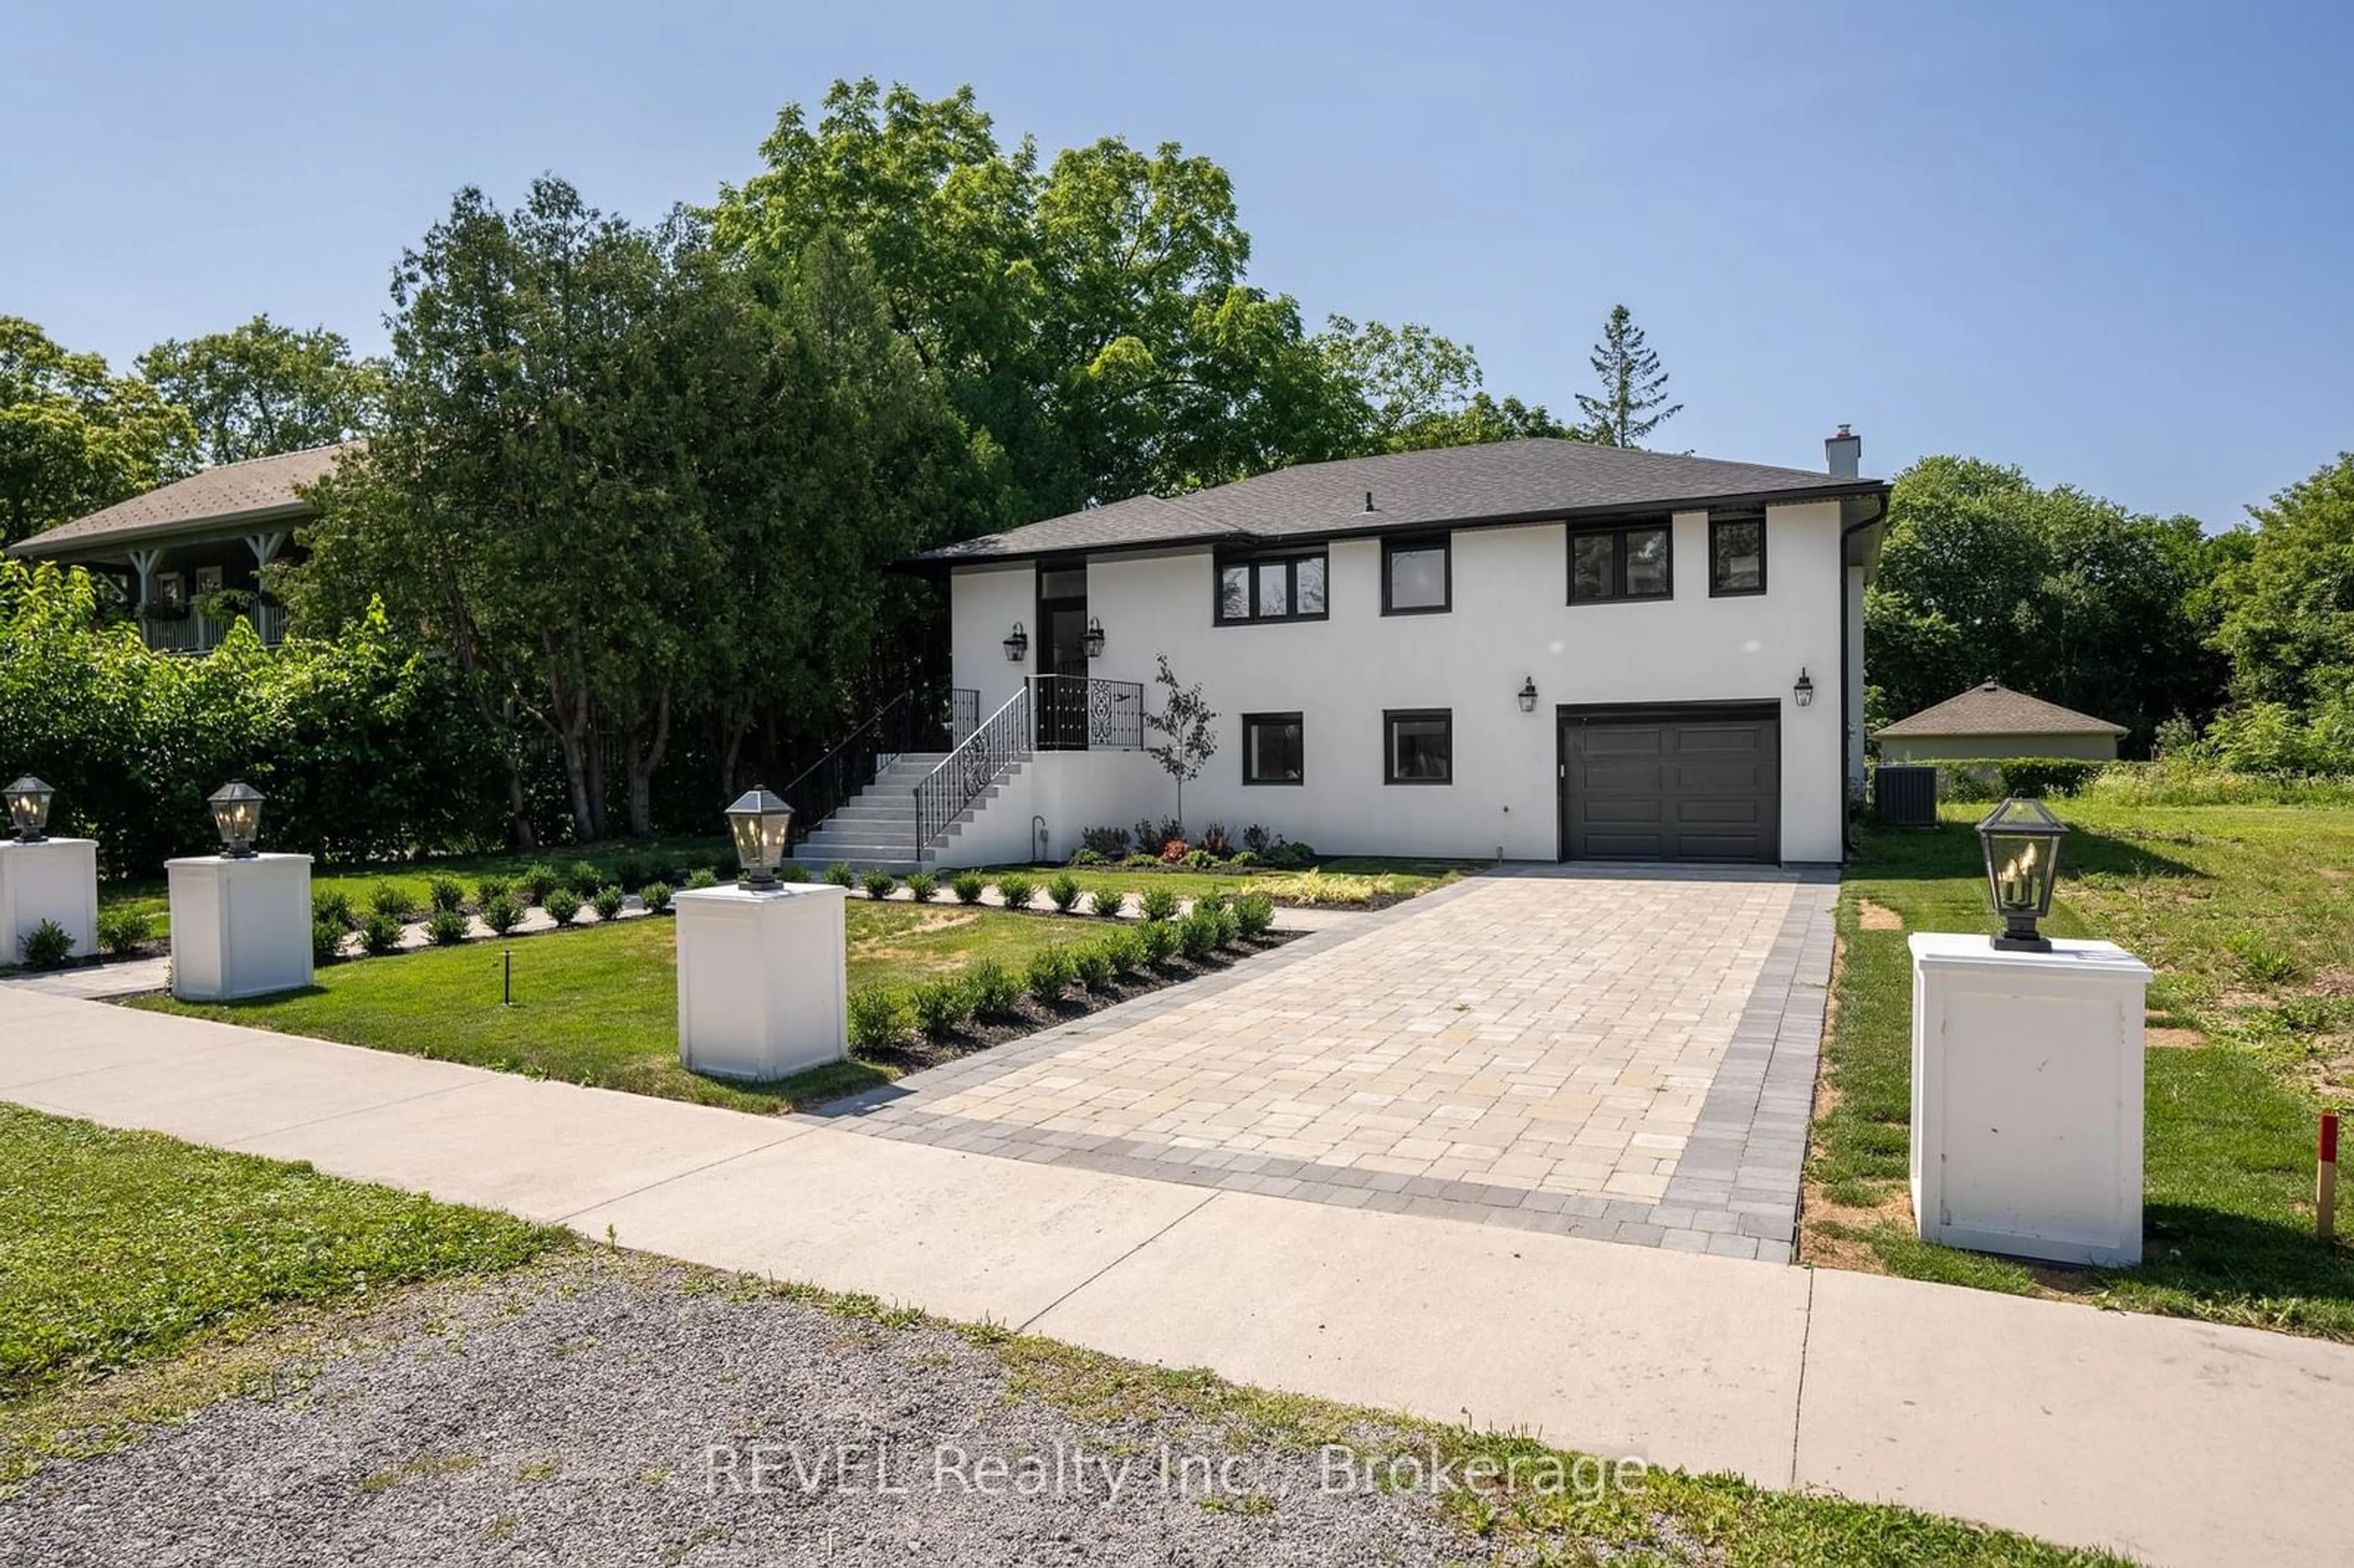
1804, 688
1017, 645
1094, 638
1527, 694
236, 817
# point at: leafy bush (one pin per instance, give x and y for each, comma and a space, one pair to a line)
1143, 862
583, 877
1214, 841
489, 889
629, 872
1160, 904
1254, 914
878, 1017
326, 941
46, 945
1159, 939
701, 877
561, 904
1017, 891
1110, 843
839, 874
539, 880
968, 887
1151, 837
1198, 934
333, 905
608, 902
923, 887
1230, 924
1106, 902
1094, 962
1289, 855
879, 883
656, 897
1200, 860
392, 900
1085, 857
995, 991
445, 893
380, 934
1258, 840
1126, 950
1065, 892
447, 928
792, 871
1242, 858
1050, 974
1174, 852
121, 931
503, 914
941, 1005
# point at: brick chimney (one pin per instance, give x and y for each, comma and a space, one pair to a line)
1844, 453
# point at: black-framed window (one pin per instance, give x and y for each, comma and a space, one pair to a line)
1417, 575
1272, 749
1290, 587
1736, 554
1418, 746
1634, 560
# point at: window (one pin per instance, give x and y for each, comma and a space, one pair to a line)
1416, 576
1632, 562
1736, 555
1272, 753
1418, 746
1271, 587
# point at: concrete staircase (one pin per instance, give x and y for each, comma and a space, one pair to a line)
876, 829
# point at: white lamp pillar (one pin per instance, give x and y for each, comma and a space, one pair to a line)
240, 925
48, 879
763, 981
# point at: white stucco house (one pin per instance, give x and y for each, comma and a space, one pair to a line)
1535, 650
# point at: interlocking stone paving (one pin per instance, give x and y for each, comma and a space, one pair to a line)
1626, 1054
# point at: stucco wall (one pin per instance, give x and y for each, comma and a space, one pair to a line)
1510, 622
1944, 749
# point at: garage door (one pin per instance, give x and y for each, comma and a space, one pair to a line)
1692, 783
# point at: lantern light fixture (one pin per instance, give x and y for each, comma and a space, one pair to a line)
762, 825
2020, 841
1094, 638
1804, 690
236, 816
1528, 696
1017, 644
29, 809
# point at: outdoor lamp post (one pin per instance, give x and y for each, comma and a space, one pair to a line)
2020, 841
1093, 639
29, 809
236, 815
762, 824
1803, 688
1017, 644
1528, 696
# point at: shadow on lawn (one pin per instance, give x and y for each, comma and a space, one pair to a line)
1951, 849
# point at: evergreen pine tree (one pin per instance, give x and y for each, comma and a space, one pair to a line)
1633, 385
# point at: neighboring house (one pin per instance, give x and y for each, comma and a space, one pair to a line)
195, 554
1992, 720
1539, 650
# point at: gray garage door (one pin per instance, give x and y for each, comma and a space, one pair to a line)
1693, 783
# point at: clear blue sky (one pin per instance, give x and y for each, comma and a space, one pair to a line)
2110, 243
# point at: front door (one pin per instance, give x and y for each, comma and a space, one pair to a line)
1062, 696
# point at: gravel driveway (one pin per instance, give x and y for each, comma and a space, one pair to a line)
611, 1409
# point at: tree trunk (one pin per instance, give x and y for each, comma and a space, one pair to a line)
595, 761
525, 836
642, 761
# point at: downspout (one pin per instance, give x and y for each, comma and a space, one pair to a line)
1847, 662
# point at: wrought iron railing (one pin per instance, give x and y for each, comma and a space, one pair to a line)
964, 713
1080, 713
912, 721
942, 795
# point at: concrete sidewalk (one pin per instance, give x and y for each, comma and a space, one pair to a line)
2176, 1442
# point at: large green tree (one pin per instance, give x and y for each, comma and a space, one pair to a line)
2284, 606
1634, 399
74, 438
262, 388
1414, 388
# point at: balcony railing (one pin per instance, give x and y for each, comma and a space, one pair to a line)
196, 633
1080, 713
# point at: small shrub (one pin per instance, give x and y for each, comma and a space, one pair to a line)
1291, 857
1106, 902
1254, 914
1230, 924
561, 904
443, 892
1050, 974
1085, 857
968, 887
46, 945
503, 914
941, 1005
447, 928
839, 874
584, 878
1200, 860
923, 887
1159, 939
1242, 858
1214, 840
878, 1016
1094, 962
1128, 951
1258, 840
629, 872
1143, 862
1017, 891
1198, 934
1065, 892
995, 991
1151, 836
656, 897
879, 883
1174, 852
792, 871
1108, 843
380, 934
608, 902
121, 931
489, 889
539, 880
701, 877
392, 900
333, 905
326, 941
1160, 904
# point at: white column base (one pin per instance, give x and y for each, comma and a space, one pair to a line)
240, 928
763, 985
2027, 1098
55, 879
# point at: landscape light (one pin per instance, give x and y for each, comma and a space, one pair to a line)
29, 809
2021, 840
237, 813
762, 825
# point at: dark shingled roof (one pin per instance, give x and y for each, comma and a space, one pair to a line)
256, 489
1993, 708
1503, 482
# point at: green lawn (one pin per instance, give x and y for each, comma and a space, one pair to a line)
2247, 913
1342, 880
598, 1004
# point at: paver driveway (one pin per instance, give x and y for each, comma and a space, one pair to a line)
1628, 1054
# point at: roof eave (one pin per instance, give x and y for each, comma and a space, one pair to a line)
108, 541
